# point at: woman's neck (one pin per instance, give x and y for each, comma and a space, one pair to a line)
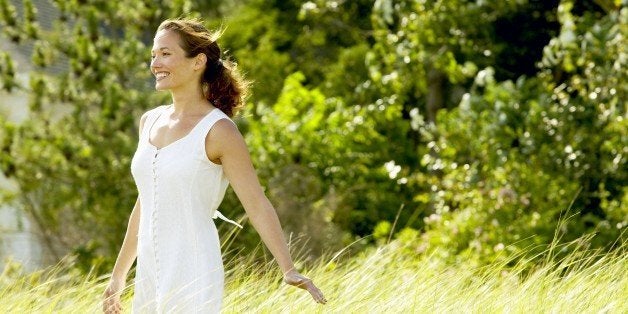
190, 101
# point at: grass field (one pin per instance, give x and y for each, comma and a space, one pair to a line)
388, 279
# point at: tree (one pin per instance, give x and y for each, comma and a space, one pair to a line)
519, 157
336, 125
360, 111
71, 157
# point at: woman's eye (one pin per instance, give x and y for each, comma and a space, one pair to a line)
152, 57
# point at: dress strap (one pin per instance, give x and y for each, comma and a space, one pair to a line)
151, 117
207, 124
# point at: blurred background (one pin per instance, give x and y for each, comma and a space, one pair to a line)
472, 130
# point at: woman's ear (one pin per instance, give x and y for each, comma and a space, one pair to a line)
200, 61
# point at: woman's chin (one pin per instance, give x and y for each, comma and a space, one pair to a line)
160, 87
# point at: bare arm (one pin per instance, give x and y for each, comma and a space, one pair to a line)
128, 251
126, 257
236, 163
225, 143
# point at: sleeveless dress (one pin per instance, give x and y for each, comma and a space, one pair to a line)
179, 264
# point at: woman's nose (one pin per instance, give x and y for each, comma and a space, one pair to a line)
155, 63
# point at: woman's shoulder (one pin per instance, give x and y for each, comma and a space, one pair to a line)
222, 127
220, 119
223, 137
223, 133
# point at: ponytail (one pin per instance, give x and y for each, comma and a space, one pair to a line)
224, 87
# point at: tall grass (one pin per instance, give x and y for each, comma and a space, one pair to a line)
391, 278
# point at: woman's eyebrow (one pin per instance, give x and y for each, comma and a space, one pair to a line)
162, 48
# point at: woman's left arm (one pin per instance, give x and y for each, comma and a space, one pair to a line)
225, 143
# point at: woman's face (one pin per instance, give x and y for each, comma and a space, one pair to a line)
169, 64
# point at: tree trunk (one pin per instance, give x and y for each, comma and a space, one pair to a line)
435, 100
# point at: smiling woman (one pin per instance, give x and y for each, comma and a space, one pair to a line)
178, 42
187, 155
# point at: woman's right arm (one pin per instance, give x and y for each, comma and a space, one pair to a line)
128, 252
126, 257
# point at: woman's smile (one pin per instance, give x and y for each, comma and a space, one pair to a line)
161, 75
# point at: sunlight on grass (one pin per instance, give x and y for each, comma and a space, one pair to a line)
391, 278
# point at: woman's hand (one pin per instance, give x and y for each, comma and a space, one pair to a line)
293, 278
111, 298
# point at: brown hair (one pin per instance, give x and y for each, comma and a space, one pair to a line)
222, 84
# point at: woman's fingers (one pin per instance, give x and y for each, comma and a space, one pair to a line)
113, 310
316, 293
112, 307
111, 303
298, 280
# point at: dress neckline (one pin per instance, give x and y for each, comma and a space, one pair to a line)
179, 139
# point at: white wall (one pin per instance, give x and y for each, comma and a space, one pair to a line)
17, 242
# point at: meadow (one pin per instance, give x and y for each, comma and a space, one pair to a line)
391, 278
475, 123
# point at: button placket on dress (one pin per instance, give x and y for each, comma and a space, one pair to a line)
154, 217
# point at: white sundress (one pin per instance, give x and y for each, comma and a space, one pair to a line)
179, 263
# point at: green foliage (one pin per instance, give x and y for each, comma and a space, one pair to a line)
255, 45
515, 157
431, 42
272, 39
71, 157
338, 143
474, 125
7, 72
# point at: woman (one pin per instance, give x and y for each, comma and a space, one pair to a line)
188, 153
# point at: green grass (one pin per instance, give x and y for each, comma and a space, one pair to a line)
391, 278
